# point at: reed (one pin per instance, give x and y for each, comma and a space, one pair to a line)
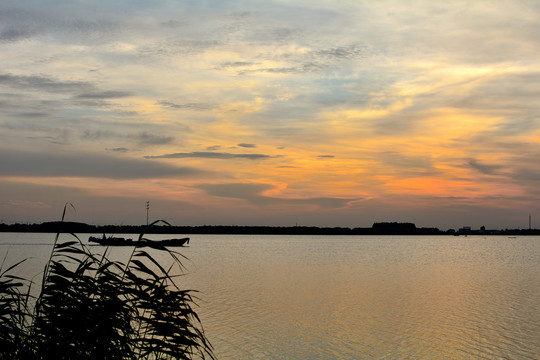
92, 307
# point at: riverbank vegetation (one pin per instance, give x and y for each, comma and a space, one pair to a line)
383, 228
92, 307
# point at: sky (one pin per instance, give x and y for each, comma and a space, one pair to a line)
280, 113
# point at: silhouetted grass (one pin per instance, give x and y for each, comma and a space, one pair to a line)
92, 307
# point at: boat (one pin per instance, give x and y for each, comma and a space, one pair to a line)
111, 241
118, 241
171, 242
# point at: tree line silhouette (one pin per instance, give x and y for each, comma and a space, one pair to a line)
378, 228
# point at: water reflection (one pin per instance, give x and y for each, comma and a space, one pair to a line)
302, 297
350, 298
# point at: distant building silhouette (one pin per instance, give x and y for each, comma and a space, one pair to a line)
466, 230
391, 228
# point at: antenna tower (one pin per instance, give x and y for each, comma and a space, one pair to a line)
147, 208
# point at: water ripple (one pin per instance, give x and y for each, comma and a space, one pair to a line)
309, 298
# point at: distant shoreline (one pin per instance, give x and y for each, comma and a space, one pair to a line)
385, 228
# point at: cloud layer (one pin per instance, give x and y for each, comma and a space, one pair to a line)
26, 164
277, 110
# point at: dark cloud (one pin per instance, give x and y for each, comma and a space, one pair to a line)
43, 83
146, 138
99, 134
12, 35
326, 156
247, 145
142, 139
237, 64
38, 164
252, 193
343, 52
484, 168
104, 95
210, 155
22, 21
186, 106
33, 114
120, 149
86, 91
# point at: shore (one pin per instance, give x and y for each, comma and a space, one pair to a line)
385, 228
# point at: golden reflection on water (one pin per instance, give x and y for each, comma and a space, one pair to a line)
355, 298
278, 297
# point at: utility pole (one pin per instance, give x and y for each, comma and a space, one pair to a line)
147, 208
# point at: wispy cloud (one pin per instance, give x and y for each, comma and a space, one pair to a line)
343, 52
34, 164
186, 106
488, 169
11, 35
104, 95
43, 83
120, 149
245, 145
210, 155
146, 138
407, 164
142, 139
254, 193
237, 64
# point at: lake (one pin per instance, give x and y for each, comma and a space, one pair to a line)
352, 297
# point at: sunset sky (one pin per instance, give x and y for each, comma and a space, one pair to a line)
319, 112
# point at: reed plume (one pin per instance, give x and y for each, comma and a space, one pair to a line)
92, 307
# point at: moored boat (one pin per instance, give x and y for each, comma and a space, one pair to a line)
118, 241
111, 241
171, 242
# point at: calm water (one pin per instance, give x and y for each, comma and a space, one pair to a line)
354, 297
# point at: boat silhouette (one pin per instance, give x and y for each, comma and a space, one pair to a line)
120, 241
